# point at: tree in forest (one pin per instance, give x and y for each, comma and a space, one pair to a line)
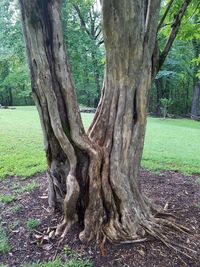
176, 79
83, 37
94, 176
196, 80
14, 77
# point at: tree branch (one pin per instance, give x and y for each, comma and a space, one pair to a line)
174, 30
164, 15
97, 34
83, 24
100, 42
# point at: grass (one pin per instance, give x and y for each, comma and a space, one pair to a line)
169, 144
198, 180
172, 145
7, 198
59, 263
4, 244
28, 187
16, 208
32, 223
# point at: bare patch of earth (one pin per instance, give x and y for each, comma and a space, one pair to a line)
181, 193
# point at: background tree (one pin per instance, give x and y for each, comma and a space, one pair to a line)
96, 175
14, 78
83, 36
83, 45
176, 77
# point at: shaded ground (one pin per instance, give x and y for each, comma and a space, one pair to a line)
181, 193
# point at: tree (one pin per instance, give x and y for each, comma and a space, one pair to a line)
14, 78
176, 78
82, 34
95, 175
196, 92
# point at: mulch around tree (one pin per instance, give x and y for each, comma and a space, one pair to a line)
180, 193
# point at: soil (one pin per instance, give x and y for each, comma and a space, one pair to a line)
179, 193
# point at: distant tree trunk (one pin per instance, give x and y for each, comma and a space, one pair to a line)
196, 91
95, 176
10, 96
158, 83
195, 100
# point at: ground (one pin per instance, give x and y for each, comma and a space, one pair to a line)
26, 221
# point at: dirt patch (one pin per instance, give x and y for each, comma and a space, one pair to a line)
181, 193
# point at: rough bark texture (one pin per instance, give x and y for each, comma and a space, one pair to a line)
95, 176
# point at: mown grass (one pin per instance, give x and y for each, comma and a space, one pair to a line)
172, 144
169, 144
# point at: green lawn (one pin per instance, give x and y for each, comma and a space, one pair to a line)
170, 144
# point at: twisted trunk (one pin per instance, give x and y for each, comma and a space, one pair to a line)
95, 176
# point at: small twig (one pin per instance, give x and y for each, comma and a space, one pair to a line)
46, 209
134, 241
185, 263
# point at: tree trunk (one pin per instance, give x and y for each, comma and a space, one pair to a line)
195, 100
196, 91
10, 96
95, 176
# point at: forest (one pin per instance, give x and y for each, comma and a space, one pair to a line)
175, 92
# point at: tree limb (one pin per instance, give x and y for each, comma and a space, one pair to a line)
174, 30
165, 14
100, 42
97, 34
83, 24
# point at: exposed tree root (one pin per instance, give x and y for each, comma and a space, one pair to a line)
160, 229
70, 213
157, 228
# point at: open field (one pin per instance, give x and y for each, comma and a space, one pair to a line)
169, 144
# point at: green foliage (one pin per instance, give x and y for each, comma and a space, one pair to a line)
14, 78
85, 53
7, 198
32, 223
4, 244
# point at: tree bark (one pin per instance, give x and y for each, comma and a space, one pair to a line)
95, 176
195, 101
196, 81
